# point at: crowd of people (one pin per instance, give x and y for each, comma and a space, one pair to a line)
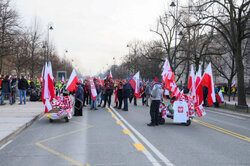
11, 87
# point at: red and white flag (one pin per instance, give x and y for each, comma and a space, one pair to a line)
200, 111
48, 92
207, 80
93, 89
73, 79
234, 84
220, 97
167, 74
191, 84
134, 82
198, 88
48, 106
110, 74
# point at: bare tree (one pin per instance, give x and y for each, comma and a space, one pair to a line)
229, 18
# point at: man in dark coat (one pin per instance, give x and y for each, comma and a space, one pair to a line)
109, 87
125, 94
78, 100
6, 90
22, 87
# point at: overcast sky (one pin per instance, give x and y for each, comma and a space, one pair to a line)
93, 31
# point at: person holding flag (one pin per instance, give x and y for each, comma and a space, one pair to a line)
93, 86
156, 97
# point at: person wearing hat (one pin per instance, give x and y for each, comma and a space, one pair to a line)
156, 97
78, 100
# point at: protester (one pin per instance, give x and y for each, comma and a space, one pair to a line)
156, 97
132, 96
125, 94
142, 93
234, 92
93, 101
22, 87
86, 93
109, 86
98, 91
78, 100
119, 94
6, 90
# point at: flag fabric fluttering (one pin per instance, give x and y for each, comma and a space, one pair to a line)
220, 97
207, 80
167, 74
63, 79
191, 83
110, 74
200, 111
48, 91
73, 79
198, 88
93, 88
234, 84
134, 82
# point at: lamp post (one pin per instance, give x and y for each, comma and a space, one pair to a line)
49, 28
175, 43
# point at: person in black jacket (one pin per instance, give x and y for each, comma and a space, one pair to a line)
6, 89
22, 87
78, 100
125, 94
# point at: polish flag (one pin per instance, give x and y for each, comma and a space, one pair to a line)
220, 97
134, 82
93, 89
198, 88
73, 79
234, 84
200, 111
207, 80
191, 83
41, 77
110, 74
167, 74
48, 91
48, 106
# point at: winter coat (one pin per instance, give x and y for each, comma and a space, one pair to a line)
157, 92
79, 93
6, 87
22, 84
126, 90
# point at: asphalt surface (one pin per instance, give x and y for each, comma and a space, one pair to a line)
115, 137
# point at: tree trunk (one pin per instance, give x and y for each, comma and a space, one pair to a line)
240, 77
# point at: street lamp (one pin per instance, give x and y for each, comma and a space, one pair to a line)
49, 28
176, 17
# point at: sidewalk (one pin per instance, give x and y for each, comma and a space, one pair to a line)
15, 118
231, 102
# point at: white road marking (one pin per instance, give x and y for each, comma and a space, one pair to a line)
152, 147
5, 144
146, 152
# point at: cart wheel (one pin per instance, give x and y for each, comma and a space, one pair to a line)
51, 120
188, 122
66, 119
162, 121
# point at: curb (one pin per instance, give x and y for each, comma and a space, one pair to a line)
20, 130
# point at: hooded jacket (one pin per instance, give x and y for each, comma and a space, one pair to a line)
157, 92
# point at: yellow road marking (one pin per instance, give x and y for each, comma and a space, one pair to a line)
59, 154
61, 135
87, 165
242, 137
139, 146
113, 116
119, 122
126, 131
109, 111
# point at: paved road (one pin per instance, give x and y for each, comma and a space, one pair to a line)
114, 137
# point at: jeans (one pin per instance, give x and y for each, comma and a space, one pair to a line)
125, 99
3, 96
99, 98
93, 103
22, 94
